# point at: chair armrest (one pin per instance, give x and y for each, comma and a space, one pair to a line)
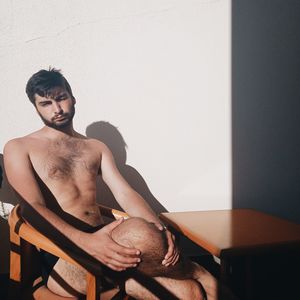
19, 230
34, 237
112, 213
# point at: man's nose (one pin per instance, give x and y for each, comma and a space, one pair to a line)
57, 108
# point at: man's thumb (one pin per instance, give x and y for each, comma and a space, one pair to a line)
114, 224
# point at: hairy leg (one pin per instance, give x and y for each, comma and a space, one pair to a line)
186, 289
135, 232
75, 277
72, 276
146, 237
43, 293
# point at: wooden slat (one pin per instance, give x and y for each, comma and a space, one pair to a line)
34, 237
91, 287
15, 267
112, 213
15, 260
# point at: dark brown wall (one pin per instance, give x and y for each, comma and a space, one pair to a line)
266, 106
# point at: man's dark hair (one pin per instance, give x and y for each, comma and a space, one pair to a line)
44, 81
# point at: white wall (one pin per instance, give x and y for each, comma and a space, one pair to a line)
158, 70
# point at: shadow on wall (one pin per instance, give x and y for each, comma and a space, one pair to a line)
6, 196
110, 135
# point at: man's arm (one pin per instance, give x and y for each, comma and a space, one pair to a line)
20, 175
132, 202
127, 197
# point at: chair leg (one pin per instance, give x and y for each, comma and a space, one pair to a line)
14, 291
15, 258
30, 264
91, 288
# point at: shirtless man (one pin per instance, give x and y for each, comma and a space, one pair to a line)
67, 163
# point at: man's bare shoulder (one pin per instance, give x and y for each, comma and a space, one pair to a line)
14, 150
22, 143
97, 144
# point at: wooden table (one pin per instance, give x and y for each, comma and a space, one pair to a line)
238, 232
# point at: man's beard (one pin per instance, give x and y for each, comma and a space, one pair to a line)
61, 125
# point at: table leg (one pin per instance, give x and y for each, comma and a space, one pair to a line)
225, 271
248, 278
237, 274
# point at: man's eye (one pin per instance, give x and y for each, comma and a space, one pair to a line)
44, 104
60, 98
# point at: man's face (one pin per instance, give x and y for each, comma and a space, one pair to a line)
57, 110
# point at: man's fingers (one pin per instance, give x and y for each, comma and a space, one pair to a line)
113, 255
120, 262
125, 250
171, 245
126, 261
172, 254
117, 262
174, 259
121, 256
120, 265
172, 236
115, 268
159, 226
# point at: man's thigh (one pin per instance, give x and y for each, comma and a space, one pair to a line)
164, 288
67, 280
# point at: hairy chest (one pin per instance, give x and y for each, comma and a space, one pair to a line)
68, 159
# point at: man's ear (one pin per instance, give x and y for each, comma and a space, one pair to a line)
74, 100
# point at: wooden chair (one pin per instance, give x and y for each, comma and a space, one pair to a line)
24, 261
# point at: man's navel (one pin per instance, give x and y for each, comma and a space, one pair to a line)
90, 212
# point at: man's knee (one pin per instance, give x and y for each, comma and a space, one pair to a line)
145, 236
138, 233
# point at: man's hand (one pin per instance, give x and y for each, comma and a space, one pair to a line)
172, 255
110, 253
